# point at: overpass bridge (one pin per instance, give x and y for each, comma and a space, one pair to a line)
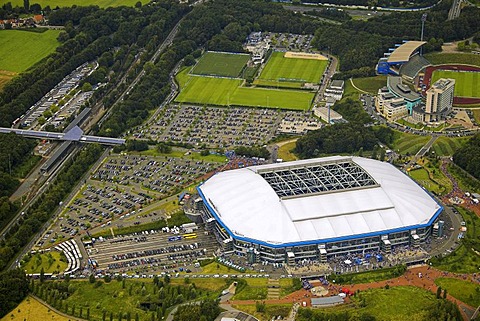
74, 134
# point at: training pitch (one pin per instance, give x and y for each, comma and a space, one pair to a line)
220, 64
228, 92
293, 69
467, 83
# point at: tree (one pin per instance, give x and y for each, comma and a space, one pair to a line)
445, 293
42, 275
91, 278
26, 5
439, 292
260, 306
86, 87
189, 60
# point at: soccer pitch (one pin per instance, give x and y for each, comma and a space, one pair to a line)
220, 64
303, 70
226, 92
467, 83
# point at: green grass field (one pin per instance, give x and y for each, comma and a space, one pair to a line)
371, 84
277, 84
467, 84
398, 303
51, 262
446, 146
421, 176
220, 64
69, 3
453, 58
293, 69
284, 152
227, 92
19, 50
408, 143
465, 291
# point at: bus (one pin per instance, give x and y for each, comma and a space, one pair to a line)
189, 236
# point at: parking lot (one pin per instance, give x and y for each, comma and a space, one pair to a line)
121, 188
152, 252
223, 127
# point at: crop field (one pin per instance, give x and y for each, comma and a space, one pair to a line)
293, 69
220, 64
5, 77
32, 310
69, 3
227, 92
467, 84
33, 47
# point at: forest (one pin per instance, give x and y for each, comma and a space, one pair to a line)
468, 156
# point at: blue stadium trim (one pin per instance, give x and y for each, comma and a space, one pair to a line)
313, 242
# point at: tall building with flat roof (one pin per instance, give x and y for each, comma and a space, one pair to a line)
439, 99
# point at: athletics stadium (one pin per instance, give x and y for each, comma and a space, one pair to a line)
315, 209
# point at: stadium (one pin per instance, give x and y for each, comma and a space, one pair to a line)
315, 209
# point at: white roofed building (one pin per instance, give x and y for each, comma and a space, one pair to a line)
315, 209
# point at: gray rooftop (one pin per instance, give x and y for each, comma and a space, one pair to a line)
330, 300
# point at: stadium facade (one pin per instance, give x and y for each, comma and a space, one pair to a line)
315, 209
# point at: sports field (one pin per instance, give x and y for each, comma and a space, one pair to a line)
221, 64
293, 69
226, 92
19, 50
69, 3
467, 83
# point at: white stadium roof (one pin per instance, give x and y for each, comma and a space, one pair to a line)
308, 201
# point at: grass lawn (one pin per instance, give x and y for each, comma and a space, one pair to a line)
69, 3
368, 276
467, 84
350, 91
408, 143
465, 291
33, 47
51, 262
293, 69
446, 146
32, 310
371, 84
277, 84
222, 269
284, 152
453, 58
422, 177
221, 64
208, 284
271, 310
181, 154
463, 259
397, 303
226, 92
256, 289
